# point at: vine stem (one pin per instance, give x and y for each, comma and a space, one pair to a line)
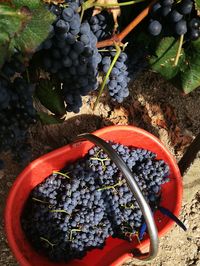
118, 51
117, 4
82, 13
91, 3
118, 38
179, 50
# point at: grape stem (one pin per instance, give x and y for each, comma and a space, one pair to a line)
117, 4
178, 54
119, 37
71, 232
41, 201
102, 161
59, 173
91, 3
110, 187
61, 211
118, 51
137, 236
105, 50
128, 207
82, 13
47, 241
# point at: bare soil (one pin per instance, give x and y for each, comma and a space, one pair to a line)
154, 105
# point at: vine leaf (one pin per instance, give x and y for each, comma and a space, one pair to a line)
189, 74
20, 26
50, 97
197, 6
163, 60
34, 33
47, 119
32, 4
12, 21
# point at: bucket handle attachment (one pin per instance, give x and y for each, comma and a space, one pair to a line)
144, 206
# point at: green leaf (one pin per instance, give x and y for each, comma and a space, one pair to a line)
29, 3
49, 119
35, 31
190, 77
50, 97
163, 61
12, 21
142, 38
197, 6
23, 27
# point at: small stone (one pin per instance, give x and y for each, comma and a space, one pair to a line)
194, 208
192, 214
194, 228
9, 184
77, 122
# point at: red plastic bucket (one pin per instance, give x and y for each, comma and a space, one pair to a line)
116, 251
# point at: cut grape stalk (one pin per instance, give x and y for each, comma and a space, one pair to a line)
118, 38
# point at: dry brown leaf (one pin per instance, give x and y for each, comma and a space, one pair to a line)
116, 11
163, 117
119, 116
55, 2
169, 113
98, 10
161, 123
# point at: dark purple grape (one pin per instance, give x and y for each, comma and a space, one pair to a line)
167, 2
68, 14
165, 10
181, 27
154, 28
185, 7
156, 8
102, 25
16, 114
175, 16
62, 26
194, 34
195, 23
73, 54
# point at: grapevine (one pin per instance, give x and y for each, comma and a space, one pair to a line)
81, 43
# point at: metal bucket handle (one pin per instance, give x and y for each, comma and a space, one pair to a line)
144, 206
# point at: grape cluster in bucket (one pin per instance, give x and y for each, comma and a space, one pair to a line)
76, 209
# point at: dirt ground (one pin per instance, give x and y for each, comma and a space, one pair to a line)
159, 108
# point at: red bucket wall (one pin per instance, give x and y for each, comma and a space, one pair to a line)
115, 250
